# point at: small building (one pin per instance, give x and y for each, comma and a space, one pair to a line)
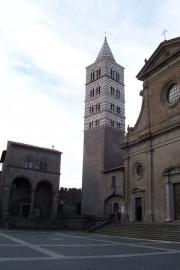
30, 181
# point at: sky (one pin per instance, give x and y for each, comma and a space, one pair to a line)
45, 46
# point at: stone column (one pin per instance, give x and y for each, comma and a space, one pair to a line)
55, 204
32, 203
168, 200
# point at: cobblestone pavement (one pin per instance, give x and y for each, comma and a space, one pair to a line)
56, 250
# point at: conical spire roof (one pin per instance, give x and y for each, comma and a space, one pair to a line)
105, 52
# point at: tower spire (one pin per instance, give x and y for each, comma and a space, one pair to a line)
105, 52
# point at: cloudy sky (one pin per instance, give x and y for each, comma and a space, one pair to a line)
45, 46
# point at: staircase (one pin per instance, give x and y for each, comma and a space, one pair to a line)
154, 231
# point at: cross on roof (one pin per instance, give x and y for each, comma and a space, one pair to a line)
164, 33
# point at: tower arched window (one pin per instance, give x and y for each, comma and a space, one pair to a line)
118, 109
97, 74
112, 107
93, 75
112, 123
99, 106
112, 90
118, 93
111, 72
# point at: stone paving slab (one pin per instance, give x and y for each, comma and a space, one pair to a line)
18, 251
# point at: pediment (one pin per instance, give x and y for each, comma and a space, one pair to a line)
165, 51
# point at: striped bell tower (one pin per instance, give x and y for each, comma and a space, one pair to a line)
104, 127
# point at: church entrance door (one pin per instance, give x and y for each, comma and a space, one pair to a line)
177, 201
138, 209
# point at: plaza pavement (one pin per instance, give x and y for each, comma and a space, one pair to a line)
49, 250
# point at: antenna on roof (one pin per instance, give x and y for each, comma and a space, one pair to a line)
164, 33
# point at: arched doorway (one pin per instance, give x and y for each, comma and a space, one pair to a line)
20, 195
43, 199
114, 205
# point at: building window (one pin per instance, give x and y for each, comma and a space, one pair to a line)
111, 72
118, 94
112, 123
99, 73
91, 125
118, 109
139, 170
92, 92
28, 164
93, 75
173, 94
97, 123
118, 125
112, 107
112, 90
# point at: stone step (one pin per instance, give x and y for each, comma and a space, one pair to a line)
156, 231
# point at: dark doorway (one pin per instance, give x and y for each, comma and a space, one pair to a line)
115, 208
177, 201
79, 208
25, 208
138, 209
20, 196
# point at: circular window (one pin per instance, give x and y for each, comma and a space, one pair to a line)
139, 170
173, 94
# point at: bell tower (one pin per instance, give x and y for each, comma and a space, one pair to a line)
104, 127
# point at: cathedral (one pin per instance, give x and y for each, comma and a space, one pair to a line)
134, 175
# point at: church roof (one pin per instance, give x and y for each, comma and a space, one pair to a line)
105, 52
165, 52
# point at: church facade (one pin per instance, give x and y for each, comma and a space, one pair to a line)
152, 147
146, 161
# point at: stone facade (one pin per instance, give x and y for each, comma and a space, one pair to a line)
152, 162
104, 126
29, 181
